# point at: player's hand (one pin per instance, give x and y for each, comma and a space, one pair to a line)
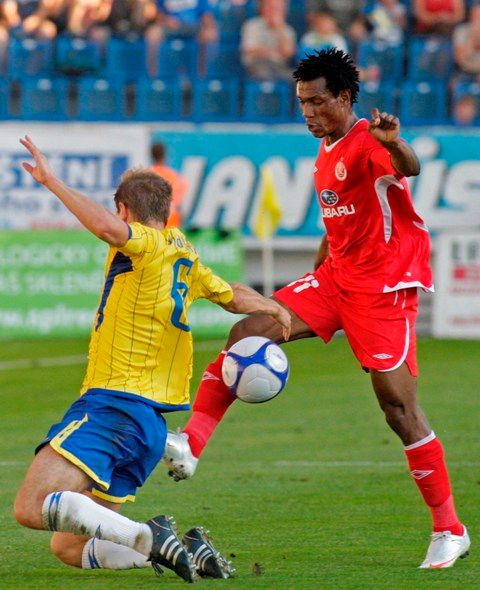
41, 171
384, 127
283, 317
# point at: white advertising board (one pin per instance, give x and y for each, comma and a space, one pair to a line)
88, 157
456, 302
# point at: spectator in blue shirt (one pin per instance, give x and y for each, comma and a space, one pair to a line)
187, 18
190, 19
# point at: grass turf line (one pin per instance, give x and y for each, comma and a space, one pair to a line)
349, 519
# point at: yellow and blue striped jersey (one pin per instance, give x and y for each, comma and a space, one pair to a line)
141, 342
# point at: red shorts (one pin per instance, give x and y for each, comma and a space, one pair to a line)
380, 327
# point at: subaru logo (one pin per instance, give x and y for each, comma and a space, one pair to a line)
328, 197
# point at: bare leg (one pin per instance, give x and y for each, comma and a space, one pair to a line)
397, 395
263, 325
49, 472
51, 498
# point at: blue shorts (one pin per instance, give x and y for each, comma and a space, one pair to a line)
115, 440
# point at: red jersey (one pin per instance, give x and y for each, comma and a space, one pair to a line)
377, 242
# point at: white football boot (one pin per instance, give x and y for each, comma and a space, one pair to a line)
445, 548
178, 457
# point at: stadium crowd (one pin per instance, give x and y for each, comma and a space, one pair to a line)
234, 52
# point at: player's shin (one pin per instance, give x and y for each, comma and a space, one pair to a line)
102, 554
428, 468
212, 401
71, 512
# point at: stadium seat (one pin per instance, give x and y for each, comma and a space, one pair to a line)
230, 18
387, 58
376, 94
5, 112
126, 60
77, 56
222, 60
100, 100
178, 58
267, 102
216, 100
471, 89
296, 17
158, 100
44, 99
423, 103
29, 57
430, 58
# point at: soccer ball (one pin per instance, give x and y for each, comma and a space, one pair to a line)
255, 369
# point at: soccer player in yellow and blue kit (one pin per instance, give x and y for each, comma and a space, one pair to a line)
140, 363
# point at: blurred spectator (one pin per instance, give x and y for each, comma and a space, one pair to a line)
437, 16
9, 19
323, 33
465, 110
388, 20
50, 19
179, 184
130, 18
466, 44
268, 43
191, 19
347, 13
86, 18
187, 18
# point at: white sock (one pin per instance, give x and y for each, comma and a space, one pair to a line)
102, 554
70, 512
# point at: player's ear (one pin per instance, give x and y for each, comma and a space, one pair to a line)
344, 98
123, 212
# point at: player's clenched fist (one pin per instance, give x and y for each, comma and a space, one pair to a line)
384, 127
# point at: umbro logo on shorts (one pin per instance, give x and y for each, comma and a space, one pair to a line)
420, 474
382, 356
207, 376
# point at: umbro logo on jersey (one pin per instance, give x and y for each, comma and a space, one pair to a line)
340, 171
420, 474
328, 197
382, 356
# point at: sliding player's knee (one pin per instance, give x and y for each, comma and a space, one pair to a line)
27, 510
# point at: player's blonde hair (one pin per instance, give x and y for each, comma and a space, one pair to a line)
147, 195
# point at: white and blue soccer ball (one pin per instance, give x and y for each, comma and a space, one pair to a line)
255, 369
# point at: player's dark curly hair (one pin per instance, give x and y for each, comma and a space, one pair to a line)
335, 66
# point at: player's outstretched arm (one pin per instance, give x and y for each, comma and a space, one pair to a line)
386, 129
248, 301
102, 223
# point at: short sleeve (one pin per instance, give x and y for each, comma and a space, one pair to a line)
141, 240
380, 162
207, 285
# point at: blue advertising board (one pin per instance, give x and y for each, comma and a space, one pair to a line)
222, 167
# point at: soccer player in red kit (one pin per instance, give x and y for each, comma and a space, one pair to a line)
374, 257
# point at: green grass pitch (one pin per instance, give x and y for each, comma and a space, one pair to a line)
312, 487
